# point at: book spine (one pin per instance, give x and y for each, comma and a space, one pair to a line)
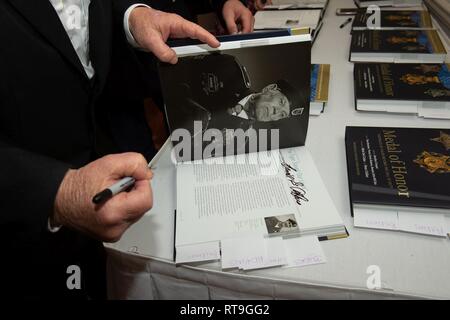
355, 99
425, 19
348, 160
323, 78
436, 42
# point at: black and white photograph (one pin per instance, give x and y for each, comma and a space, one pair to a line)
281, 224
264, 87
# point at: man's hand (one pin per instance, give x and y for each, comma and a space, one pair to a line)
237, 17
151, 29
107, 222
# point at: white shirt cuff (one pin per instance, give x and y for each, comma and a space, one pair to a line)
126, 24
52, 229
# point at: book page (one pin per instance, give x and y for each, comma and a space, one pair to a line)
283, 194
229, 199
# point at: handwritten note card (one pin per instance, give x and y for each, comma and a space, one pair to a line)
243, 253
276, 252
254, 252
376, 219
230, 255
431, 224
447, 218
417, 222
199, 252
304, 251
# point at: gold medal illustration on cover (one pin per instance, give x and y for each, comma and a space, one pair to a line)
418, 79
433, 162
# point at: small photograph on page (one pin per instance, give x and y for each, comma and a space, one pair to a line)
277, 225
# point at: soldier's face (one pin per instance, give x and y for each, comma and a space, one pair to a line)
271, 105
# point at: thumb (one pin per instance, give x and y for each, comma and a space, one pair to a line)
130, 165
230, 22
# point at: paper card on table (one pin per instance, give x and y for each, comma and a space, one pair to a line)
447, 218
229, 253
198, 252
303, 251
430, 111
252, 253
276, 252
245, 253
376, 219
431, 224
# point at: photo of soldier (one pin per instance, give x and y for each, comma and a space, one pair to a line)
281, 224
220, 91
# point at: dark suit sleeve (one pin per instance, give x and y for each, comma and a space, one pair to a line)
28, 186
120, 6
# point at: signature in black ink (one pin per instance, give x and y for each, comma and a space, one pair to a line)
297, 188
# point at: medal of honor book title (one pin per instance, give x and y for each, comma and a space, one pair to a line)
399, 166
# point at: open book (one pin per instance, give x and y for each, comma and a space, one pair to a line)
238, 118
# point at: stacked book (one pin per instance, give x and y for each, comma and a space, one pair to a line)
422, 89
440, 9
399, 178
395, 36
400, 65
301, 16
320, 82
394, 20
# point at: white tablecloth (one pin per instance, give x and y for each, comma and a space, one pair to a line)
140, 267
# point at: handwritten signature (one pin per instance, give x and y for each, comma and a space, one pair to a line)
297, 188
